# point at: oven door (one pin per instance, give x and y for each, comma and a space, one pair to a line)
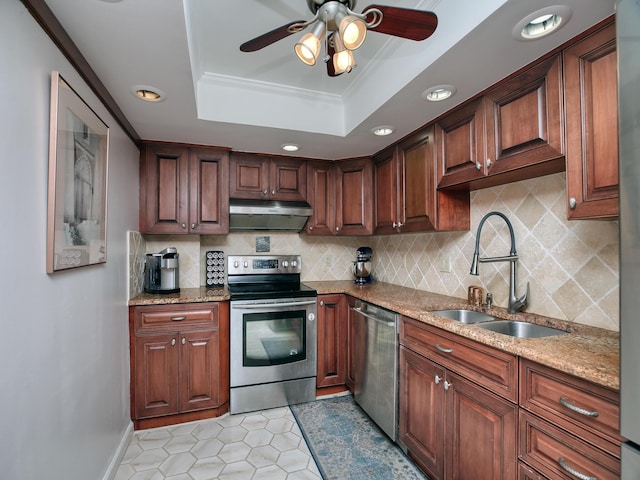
272, 340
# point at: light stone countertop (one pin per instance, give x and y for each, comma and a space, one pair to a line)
586, 352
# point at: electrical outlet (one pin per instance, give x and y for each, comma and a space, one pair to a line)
445, 263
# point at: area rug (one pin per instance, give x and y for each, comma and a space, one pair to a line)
346, 444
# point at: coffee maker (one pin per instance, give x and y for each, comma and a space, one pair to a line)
161, 271
362, 266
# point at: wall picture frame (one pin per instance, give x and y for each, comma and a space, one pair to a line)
77, 195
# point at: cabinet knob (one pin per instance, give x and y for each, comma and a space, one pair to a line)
311, 228
273, 192
184, 225
447, 385
193, 225
337, 229
184, 340
173, 341
478, 166
488, 162
322, 303
437, 379
264, 192
573, 203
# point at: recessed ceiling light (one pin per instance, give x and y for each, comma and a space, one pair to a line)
148, 94
439, 93
542, 22
382, 131
290, 147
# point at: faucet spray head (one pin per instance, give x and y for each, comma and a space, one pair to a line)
474, 263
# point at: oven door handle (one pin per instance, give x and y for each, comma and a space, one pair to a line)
255, 306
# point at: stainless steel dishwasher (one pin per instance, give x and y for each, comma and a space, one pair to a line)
376, 365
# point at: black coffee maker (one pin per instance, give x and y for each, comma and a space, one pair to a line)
362, 266
161, 272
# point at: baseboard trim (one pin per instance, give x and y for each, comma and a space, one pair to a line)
116, 460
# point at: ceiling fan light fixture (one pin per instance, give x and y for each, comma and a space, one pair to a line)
353, 31
343, 59
542, 22
308, 48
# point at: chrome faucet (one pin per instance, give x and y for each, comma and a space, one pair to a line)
515, 304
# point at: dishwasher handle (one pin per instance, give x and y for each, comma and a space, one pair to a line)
372, 317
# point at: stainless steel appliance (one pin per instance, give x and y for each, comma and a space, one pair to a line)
162, 271
273, 333
362, 266
628, 37
250, 214
376, 378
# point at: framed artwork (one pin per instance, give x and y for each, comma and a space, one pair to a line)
77, 208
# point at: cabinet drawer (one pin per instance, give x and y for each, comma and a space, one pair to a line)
555, 453
172, 317
568, 401
486, 366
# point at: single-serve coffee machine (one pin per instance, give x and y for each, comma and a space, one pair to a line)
362, 266
161, 272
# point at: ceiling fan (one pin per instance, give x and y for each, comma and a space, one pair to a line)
343, 31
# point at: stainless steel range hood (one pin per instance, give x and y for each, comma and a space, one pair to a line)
246, 214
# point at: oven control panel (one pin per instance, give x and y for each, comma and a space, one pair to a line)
263, 264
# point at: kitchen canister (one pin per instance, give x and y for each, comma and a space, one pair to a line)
214, 260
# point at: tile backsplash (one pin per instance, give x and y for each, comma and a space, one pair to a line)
572, 267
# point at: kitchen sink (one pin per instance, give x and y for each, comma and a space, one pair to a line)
520, 329
464, 316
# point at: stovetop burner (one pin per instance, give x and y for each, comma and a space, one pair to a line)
258, 277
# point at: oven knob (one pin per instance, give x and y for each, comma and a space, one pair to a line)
236, 264
285, 264
245, 264
294, 263
311, 317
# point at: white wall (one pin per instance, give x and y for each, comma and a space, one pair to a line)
64, 402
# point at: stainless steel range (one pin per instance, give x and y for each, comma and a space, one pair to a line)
273, 333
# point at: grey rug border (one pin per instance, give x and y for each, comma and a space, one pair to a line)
323, 474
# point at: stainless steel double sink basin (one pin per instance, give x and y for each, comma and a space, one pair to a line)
512, 328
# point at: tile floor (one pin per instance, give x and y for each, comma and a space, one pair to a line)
265, 445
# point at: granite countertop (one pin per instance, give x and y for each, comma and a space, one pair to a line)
586, 352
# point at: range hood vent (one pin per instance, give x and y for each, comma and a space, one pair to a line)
247, 214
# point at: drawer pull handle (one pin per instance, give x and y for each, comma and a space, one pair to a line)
178, 319
573, 471
443, 350
581, 411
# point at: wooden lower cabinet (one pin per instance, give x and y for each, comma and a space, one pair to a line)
451, 427
332, 340
179, 362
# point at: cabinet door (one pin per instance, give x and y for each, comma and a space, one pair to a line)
418, 185
351, 344
592, 126
482, 442
164, 189
209, 191
321, 196
524, 125
288, 179
156, 374
332, 340
249, 176
460, 145
422, 412
387, 192
199, 376
354, 188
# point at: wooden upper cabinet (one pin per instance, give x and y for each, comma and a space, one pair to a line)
513, 132
406, 195
591, 96
273, 178
341, 195
183, 190
354, 195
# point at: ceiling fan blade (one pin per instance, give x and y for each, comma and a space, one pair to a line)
331, 49
268, 38
405, 22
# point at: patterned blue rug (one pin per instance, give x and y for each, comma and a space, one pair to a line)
346, 444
